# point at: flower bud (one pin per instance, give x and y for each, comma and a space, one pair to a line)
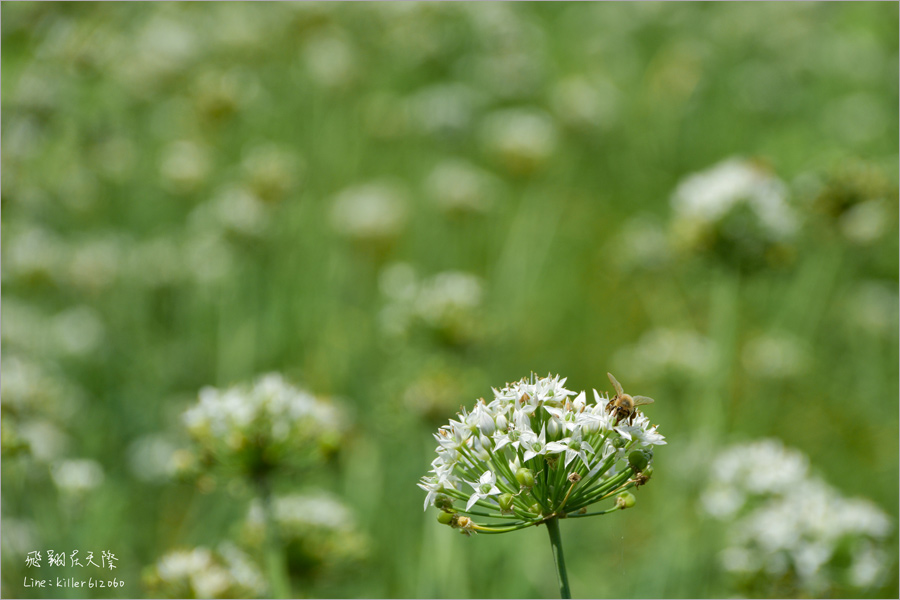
554, 429
515, 464
525, 477
505, 501
625, 500
445, 518
639, 459
443, 502
619, 442
502, 423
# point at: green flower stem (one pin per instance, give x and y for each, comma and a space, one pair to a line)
558, 558
607, 485
591, 514
489, 515
600, 492
276, 567
513, 527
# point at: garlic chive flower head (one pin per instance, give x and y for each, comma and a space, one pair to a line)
535, 452
268, 425
736, 212
319, 532
202, 573
787, 529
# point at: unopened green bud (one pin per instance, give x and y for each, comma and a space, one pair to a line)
619, 442
505, 501
525, 477
625, 500
445, 518
444, 502
639, 459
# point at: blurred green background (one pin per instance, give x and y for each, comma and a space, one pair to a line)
400, 205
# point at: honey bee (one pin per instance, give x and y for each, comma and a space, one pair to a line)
622, 405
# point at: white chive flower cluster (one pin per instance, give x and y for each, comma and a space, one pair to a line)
448, 303
668, 352
256, 428
318, 530
735, 209
202, 573
785, 524
538, 451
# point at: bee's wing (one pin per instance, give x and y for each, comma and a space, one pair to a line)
616, 384
641, 400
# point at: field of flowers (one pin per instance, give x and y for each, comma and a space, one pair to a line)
255, 257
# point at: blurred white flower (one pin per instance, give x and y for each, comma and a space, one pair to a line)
46, 441
457, 186
265, 425
330, 59
872, 306
784, 520
26, 387
447, 293
233, 209
374, 212
152, 458
19, 537
666, 351
201, 573
295, 511
219, 94
579, 102
208, 257
447, 302
271, 170
163, 46
94, 265
398, 281
775, 356
702, 203
707, 197
34, 253
184, 166
522, 140
78, 330
640, 243
77, 476
866, 222
445, 109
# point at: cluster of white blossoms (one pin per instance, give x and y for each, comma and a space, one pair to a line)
447, 303
373, 212
539, 451
258, 427
665, 351
202, 573
317, 528
786, 523
736, 208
